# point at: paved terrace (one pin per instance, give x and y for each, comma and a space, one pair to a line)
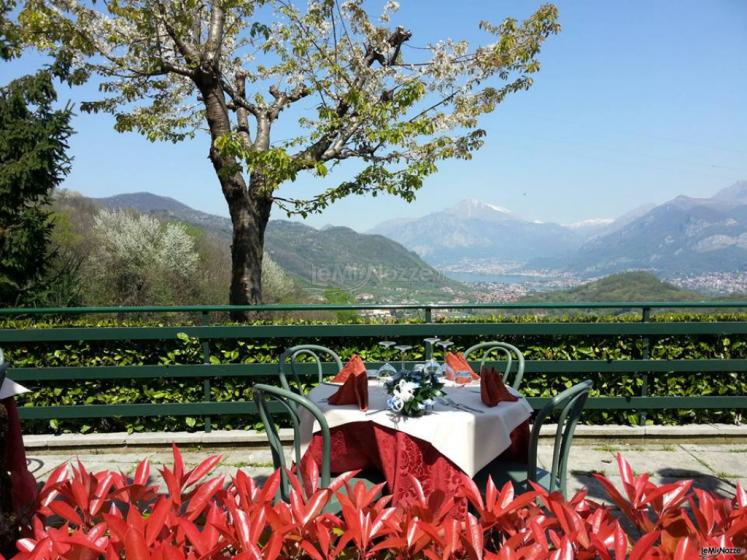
714, 456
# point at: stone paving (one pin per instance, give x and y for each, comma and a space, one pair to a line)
713, 465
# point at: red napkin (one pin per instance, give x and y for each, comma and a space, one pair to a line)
355, 366
457, 363
353, 391
492, 388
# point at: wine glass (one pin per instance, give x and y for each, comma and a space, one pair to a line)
386, 369
429, 342
445, 345
402, 349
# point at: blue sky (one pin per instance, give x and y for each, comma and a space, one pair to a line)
636, 102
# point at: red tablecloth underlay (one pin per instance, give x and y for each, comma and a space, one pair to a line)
23, 483
366, 445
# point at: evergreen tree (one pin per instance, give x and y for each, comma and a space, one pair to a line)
33, 141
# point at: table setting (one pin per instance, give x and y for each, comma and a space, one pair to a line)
436, 420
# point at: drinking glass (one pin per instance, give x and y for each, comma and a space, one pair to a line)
402, 349
445, 345
429, 343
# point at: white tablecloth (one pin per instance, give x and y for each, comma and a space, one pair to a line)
469, 439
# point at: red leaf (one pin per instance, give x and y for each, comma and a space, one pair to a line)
621, 542
50, 490
469, 490
117, 526
311, 550
316, 504
644, 545
202, 496
178, 463
474, 537
741, 496
157, 520
102, 489
80, 493
202, 469
195, 537
66, 512
173, 484
135, 548
687, 548
142, 473
341, 481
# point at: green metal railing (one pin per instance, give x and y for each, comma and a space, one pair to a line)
206, 332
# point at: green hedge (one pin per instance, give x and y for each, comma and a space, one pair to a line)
189, 351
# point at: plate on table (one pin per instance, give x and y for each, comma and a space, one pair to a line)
374, 374
370, 374
471, 384
330, 382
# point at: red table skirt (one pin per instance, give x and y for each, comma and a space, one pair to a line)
23, 483
395, 454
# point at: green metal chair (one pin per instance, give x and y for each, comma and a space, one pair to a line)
508, 350
288, 363
570, 403
3, 368
291, 403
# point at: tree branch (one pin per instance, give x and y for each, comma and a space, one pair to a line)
283, 98
316, 152
215, 32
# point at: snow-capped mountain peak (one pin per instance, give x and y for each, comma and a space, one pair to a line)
476, 209
591, 222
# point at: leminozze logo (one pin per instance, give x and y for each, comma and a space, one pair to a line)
712, 551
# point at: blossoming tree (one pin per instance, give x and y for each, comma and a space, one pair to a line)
351, 84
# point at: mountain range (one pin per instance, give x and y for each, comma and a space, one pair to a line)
682, 236
367, 265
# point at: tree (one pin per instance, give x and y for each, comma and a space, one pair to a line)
33, 140
137, 260
354, 88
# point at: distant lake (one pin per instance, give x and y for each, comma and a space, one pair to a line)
472, 277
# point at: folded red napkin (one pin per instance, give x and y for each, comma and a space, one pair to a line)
457, 363
355, 366
492, 388
353, 391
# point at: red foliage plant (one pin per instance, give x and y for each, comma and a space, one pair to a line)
85, 516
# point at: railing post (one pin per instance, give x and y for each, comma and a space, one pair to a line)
428, 314
645, 318
205, 320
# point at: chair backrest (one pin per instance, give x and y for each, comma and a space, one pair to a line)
570, 403
291, 403
508, 350
3, 367
289, 363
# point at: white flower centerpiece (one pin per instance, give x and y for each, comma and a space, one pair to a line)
413, 393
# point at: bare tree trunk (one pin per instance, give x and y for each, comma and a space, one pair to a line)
249, 215
249, 206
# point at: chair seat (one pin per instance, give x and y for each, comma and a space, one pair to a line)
515, 472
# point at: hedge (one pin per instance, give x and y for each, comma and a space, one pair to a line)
189, 351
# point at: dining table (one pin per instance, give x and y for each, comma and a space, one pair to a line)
460, 436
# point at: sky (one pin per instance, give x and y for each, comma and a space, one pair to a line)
636, 102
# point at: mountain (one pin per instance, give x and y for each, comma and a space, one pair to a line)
736, 194
360, 263
168, 208
478, 230
625, 286
370, 266
682, 236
